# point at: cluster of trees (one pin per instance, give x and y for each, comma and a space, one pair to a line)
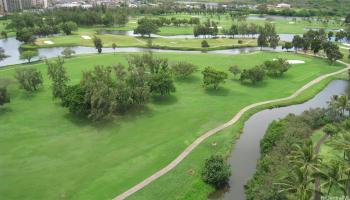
29, 78
28, 25
317, 41
286, 149
146, 26
105, 91
173, 21
268, 36
274, 68
207, 28
212, 78
242, 29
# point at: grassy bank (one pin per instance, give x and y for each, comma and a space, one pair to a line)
80, 160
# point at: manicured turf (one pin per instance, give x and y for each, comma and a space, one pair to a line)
127, 41
48, 154
282, 25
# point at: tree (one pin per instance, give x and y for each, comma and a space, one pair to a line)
204, 44
330, 129
277, 67
114, 46
24, 35
68, 27
330, 35
4, 96
213, 77
29, 78
161, 83
347, 19
2, 54
146, 27
287, 46
183, 69
67, 52
100, 92
98, 44
255, 74
234, 69
297, 42
332, 176
3, 34
73, 98
273, 40
216, 171
332, 51
262, 40
57, 73
28, 55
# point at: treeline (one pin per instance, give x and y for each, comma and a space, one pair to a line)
29, 24
290, 164
317, 41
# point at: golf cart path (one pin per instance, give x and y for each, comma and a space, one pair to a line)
211, 132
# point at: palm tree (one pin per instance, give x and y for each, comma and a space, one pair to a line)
297, 183
332, 176
305, 157
343, 103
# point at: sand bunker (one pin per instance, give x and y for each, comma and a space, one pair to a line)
346, 44
48, 42
291, 23
295, 62
85, 37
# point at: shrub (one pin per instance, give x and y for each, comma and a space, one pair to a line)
234, 69
205, 44
4, 96
240, 41
213, 77
216, 171
183, 69
29, 78
255, 74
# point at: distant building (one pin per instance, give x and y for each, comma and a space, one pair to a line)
18, 5
283, 5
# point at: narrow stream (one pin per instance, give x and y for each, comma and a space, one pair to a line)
246, 151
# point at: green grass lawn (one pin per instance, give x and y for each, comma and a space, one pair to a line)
282, 25
48, 154
127, 41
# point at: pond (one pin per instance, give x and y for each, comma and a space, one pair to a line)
11, 46
246, 151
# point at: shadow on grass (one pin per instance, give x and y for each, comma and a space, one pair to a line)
118, 117
221, 91
256, 85
164, 100
190, 79
4, 109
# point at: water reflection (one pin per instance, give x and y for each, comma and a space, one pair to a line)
246, 150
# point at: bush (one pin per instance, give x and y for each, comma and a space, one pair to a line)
213, 77
183, 69
29, 78
240, 41
205, 44
255, 74
4, 96
216, 171
277, 67
330, 129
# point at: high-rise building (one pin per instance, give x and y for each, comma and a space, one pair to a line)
17, 5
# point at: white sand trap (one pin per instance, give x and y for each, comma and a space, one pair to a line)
173, 42
85, 37
346, 44
291, 22
292, 62
347, 48
48, 42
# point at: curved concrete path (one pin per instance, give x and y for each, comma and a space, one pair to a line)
211, 132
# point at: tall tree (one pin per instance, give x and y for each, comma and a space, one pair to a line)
57, 73
98, 44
